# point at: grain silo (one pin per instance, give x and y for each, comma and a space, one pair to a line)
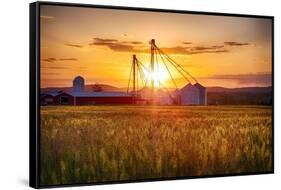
189, 95
78, 84
202, 94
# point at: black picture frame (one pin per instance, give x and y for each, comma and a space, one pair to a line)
34, 89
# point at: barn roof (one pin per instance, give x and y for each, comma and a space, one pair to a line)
52, 93
99, 94
189, 86
199, 86
79, 78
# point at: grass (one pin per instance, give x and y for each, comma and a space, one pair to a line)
90, 144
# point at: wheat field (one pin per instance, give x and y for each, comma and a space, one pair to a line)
90, 144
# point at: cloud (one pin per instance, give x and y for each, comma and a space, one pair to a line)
132, 42
175, 50
105, 40
73, 45
186, 43
209, 51
264, 79
122, 48
204, 48
52, 59
231, 43
217, 46
53, 67
184, 49
119, 46
195, 49
138, 47
68, 59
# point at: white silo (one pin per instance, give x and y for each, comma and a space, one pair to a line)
202, 94
78, 84
189, 95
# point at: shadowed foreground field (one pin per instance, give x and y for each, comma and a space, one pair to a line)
111, 143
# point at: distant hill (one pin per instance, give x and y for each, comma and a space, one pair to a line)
241, 96
88, 88
245, 89
215, 95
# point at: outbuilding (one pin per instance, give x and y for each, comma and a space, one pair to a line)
56, 98
202, 93
92, 98
189, 95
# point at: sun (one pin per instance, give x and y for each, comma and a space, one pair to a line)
160, 76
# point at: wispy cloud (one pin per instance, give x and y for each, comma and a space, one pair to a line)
186, 43
186, 47
53, 67
232, 43
68, 59
104, 40
50, 59
73, 45
132, 42
138, 47
53, 59
195, 49
116, 45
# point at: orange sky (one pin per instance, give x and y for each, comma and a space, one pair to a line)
98, 44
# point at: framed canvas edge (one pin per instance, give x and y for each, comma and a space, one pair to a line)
34, 92
34, 107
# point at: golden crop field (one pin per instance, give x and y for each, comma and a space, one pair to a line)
82, 144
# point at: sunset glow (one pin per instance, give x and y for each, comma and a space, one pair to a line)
216, 50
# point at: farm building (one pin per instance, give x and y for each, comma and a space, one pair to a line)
86, 98
80, 97
202, 93
78, 84
192, 94
55, 98
189, 95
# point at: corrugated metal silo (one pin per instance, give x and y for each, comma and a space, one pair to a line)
189, 95
202, 94
78, 84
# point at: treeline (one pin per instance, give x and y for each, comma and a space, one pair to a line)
239, 98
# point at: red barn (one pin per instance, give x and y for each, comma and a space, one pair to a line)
79, 96
56, 98
84, 98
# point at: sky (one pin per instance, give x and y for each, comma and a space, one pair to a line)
98, 44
